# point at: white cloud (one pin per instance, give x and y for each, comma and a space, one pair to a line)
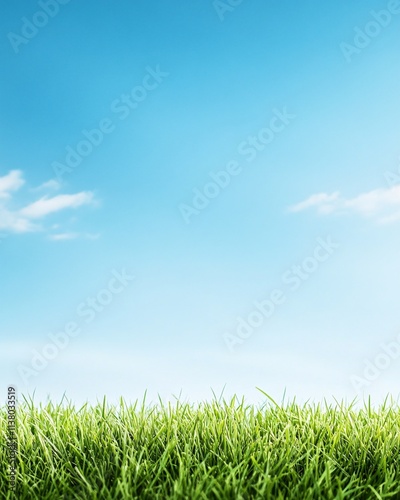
73, 236
28, 218
375, 201
382, 205
316, 200
46, 206
11, 182
11, 221
51, 185
390, 219
63, 236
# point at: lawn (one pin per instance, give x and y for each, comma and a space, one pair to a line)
216, 450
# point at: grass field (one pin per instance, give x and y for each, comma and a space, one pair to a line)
217, 450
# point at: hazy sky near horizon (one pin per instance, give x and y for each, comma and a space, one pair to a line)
207, 195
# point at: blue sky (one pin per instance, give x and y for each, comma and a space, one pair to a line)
179, 92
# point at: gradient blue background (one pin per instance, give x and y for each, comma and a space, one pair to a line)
165, 332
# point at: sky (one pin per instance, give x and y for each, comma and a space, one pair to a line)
200, 198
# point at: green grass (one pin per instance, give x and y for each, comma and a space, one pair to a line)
217, 450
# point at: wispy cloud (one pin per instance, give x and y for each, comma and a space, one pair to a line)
46, 206
316, 200
13, 222
11, 182
51, 185
383, 205
73, 236
29, 217
63, 236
